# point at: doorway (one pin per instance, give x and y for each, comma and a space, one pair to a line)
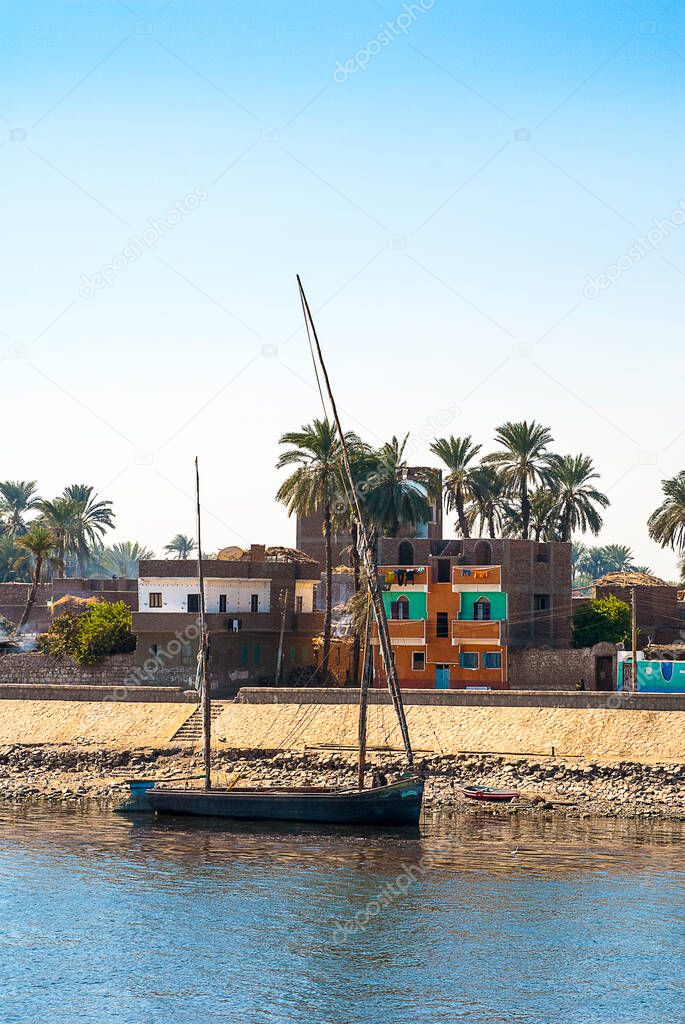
442, 677
604, 672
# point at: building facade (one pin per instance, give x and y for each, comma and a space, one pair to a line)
248, 603
455, 608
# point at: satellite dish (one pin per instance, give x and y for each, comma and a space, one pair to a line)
231, 554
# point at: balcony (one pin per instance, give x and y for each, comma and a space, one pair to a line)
476, 631
476, 577
407, 577
404, 632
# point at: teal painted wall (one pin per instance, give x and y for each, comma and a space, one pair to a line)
417, 602
498, 604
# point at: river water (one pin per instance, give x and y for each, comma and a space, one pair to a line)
477, 919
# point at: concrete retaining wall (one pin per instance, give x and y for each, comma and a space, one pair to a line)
116, 670
465, 699
120, 694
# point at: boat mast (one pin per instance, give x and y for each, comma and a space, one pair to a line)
202, 649
367, 558
364, 698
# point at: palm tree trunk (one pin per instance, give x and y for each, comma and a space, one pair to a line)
31, 596
328, 614
356, 647
459, 502
565, 525
525, 508
491, 526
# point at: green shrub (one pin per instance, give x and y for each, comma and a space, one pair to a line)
91, 635
603, 619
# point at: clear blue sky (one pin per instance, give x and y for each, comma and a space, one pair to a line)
446, 205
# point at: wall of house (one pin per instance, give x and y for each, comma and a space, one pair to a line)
175, 593
546, 668
498, 604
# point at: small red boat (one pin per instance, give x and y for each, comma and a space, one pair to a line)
490, 794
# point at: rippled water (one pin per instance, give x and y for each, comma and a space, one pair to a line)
477, 919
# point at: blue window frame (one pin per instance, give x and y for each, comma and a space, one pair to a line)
468, 659
492, 659
244, 654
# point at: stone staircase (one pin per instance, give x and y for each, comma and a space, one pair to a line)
191, 730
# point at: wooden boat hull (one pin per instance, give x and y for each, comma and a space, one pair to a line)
498, 796
396, 804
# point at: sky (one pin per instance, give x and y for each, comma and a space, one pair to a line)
484, 201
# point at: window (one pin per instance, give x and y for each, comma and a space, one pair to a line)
254, 602
492, 659
442, 625
222, 602
468, 659
256, 654
154, 649
155, 600
186, 655
194, 603
541, 602
443, 570
243, 654
405, 553
234, 625
399, 609
299, 601
543, 553
418, 661
481, 609
483, 553
292, 653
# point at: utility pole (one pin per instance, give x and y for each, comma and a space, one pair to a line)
633, 629
279, 659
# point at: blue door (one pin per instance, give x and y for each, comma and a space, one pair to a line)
442, 677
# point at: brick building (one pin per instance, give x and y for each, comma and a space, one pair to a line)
456, 607
657, 609
13, 597
310, 527
244, 611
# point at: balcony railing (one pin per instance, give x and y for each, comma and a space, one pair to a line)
404, 632
476, 577
406, 577
476, 631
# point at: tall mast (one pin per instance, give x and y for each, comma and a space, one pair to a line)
364, 698
202, 649
367, 558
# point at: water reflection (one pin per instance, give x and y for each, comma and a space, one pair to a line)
104, 918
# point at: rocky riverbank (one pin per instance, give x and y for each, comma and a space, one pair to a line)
77, 774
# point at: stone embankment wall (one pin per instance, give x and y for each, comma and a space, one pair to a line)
116, 670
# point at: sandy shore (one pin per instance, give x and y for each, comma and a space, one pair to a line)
75, 774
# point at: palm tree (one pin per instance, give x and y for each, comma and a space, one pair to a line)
594, 562
120, 559
542, 515
61, 517
457, 453
394, 499
93, 518
180, 547
17, 497
578, 554
667, 523
523, 461
485, 505
13, 561
314, 486
576, 497
41, 543
619, 558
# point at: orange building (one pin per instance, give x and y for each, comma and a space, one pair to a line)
447, 625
